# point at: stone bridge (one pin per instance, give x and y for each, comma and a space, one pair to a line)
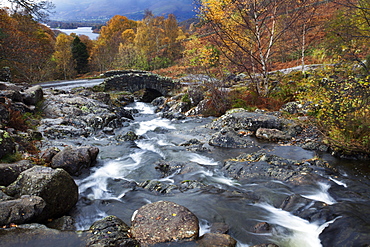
135, 80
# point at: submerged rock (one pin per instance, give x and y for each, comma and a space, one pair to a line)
350, 227
262, 227
216, 240
164, 221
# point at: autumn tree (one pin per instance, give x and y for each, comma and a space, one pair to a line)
149, 38
200, 54
158, 40
127, 55
63, 56
106, 49
22, 40
247, 31
173, 36
349, 32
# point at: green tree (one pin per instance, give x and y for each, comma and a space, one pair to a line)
80, 55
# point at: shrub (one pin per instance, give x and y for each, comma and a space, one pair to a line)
250, 100
17, 120
342, 111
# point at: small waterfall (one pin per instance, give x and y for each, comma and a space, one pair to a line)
291, 230
321, 194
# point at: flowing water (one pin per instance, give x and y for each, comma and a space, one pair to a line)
110, 188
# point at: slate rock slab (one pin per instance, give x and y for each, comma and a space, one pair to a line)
22, 210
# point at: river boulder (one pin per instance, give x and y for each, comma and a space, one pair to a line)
272, 134
7, 145
64, 223
55, 186
33, 95
241, 120
164, 221
22, 210
10, 172
80, 114
110, 231
263, 165
350, 226
228, 138
73, 160
216, 240
13, 95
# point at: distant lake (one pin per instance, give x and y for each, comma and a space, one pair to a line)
80, 30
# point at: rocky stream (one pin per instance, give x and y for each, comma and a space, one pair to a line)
120, 172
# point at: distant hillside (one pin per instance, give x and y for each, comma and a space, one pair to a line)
103, 10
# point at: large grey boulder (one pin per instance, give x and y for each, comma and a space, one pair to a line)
268, 166
228, 138
22, 210
272, 134
240, 119
33, 95
110, 231
73, 160
55, 186
164, 221
10, 172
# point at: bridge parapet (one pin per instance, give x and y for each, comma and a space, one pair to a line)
135, 80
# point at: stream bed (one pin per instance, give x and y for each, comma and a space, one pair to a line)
130, 174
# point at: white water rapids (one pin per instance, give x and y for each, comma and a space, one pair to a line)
288, 230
